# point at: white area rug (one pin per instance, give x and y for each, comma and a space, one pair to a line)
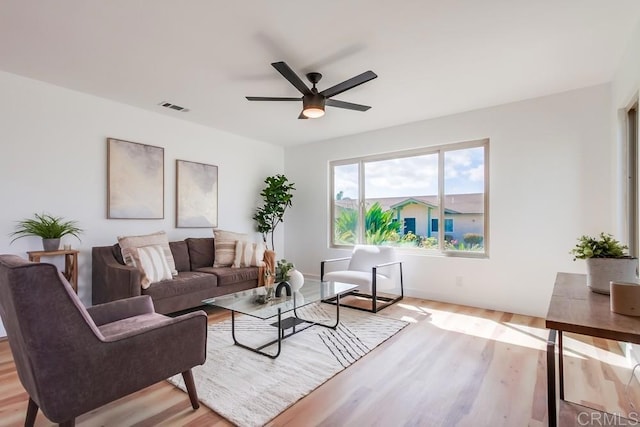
250, 389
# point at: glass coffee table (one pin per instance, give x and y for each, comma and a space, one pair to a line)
247, 302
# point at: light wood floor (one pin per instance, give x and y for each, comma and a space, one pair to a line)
453, 365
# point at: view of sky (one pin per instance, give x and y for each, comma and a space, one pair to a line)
415, 176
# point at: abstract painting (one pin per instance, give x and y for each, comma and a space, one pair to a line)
135, 180
196, 195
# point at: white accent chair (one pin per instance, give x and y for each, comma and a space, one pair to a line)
372, 268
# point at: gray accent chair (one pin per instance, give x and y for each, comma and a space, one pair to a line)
72, 359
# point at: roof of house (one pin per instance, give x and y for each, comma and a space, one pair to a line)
456, 203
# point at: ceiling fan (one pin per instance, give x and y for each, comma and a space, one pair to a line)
313, 102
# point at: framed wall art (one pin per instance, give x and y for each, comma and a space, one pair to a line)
196, 195
135, 180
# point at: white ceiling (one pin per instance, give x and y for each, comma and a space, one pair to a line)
433, 57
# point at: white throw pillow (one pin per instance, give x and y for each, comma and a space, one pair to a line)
248, 254
150, 260
225, 247
129, 243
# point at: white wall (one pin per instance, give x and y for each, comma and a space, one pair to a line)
550, 182
53, 160
626, 82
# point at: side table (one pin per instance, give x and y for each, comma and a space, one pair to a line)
70, 263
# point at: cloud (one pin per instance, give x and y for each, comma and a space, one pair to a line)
414, 176
476, 174
409, 176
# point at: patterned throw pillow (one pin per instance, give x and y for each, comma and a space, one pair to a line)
150, 260
129, 243
225, 247
249, 254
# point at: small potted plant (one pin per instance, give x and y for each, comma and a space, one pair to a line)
286, 272
48, 227
282, 270
606, 261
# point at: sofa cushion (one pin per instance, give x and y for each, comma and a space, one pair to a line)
140, 322
180, 252
225, 247
151, 260
249, 254
229, 276
200, 252
129, 243
184, 282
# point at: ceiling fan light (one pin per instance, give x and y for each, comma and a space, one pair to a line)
313, 112
313, 106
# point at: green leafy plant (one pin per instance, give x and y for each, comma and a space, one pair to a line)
380, 226
47, 227
277, 197
604, 246
283, 268
429, 243
345, 226
472, 239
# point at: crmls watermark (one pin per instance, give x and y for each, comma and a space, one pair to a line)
605, 419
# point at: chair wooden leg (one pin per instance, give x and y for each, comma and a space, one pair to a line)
191, 388
70, 423
32, 411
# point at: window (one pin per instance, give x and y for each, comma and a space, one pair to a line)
401, 198
448, 225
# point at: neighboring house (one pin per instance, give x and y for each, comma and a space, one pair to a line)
463, 214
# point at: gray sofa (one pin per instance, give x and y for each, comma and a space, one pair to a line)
197, 279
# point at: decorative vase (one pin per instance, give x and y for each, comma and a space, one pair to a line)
283, 286
51, 244
266, 296
601, 271
296, 280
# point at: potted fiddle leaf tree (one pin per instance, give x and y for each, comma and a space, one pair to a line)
50, 228
606, 260
277, 196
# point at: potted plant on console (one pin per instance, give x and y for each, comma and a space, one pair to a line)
50, 228
606, 261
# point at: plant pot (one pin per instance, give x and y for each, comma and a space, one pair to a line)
601, 271
51, 244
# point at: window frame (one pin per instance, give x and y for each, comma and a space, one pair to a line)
633, 194
439, 150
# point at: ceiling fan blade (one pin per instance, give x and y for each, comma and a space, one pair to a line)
270, 98
302, 116
293, 78
349, 84
347, 105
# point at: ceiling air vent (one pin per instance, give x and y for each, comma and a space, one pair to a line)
173, 106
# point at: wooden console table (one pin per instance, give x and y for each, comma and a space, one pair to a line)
70, 263
574, 308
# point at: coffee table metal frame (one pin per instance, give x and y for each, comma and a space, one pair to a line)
282, 325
